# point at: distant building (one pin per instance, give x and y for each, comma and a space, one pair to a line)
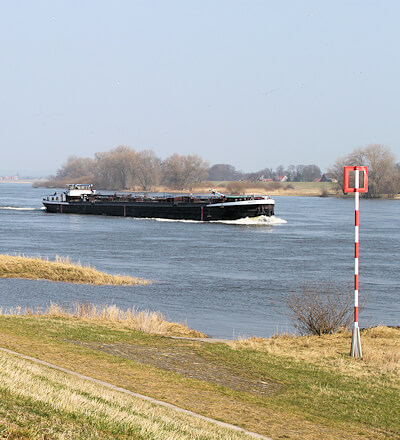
328, 177
275, 179
15, 177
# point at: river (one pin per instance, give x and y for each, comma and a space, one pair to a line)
228, 280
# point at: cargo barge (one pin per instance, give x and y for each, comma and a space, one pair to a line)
83, 199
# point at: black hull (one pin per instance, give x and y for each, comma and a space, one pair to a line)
179, 211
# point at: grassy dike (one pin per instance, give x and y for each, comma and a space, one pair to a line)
283, 387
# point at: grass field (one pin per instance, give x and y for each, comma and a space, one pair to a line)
312, 189
40, 402
62, 269
284, 387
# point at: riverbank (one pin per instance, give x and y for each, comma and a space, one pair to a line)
31, 181
304, 189
61, 270
283, 387
296, 189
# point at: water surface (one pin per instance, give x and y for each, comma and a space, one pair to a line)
227, 280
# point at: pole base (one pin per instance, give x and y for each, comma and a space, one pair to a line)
356, 342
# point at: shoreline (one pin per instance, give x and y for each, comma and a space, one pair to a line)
62, 269
290, 189
19, 181
294, 189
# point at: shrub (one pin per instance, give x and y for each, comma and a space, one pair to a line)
318, 309
236, 188
324, 193
273, 185
289, 186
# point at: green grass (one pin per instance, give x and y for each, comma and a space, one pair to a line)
40, 402
323, 392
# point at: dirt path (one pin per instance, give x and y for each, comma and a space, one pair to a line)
188, 363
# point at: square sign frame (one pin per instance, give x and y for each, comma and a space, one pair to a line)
364, 188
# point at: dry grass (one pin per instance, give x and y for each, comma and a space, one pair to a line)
236, 188
381, 350
109, 413
304, 189
144, 320
62, 270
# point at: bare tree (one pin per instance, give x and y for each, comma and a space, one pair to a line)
291, 172
116, 169
182, 172
311, 172
383, 175
76, 169
280, 170
148, 169
222, 171
305, 173
337, 170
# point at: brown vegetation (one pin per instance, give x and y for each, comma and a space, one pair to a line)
288, 187
312, 189
324, 193
319, 309
180, 172
144, 320
271, 186
123, 168
381, 350
62, 269
383, 173
237, 188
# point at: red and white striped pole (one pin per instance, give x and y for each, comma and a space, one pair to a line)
356, 341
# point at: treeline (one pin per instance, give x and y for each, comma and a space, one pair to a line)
124, 168
383, 171
293, 173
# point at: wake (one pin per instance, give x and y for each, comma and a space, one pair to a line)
262, 220
16, 208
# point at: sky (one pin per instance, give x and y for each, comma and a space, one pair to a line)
250, 83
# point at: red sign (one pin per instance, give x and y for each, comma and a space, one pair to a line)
363, 179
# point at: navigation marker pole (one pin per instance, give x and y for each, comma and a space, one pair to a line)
356, 341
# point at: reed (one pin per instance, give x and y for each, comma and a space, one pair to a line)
62, 270
142, 320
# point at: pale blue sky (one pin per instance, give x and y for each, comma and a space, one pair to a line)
251, 83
